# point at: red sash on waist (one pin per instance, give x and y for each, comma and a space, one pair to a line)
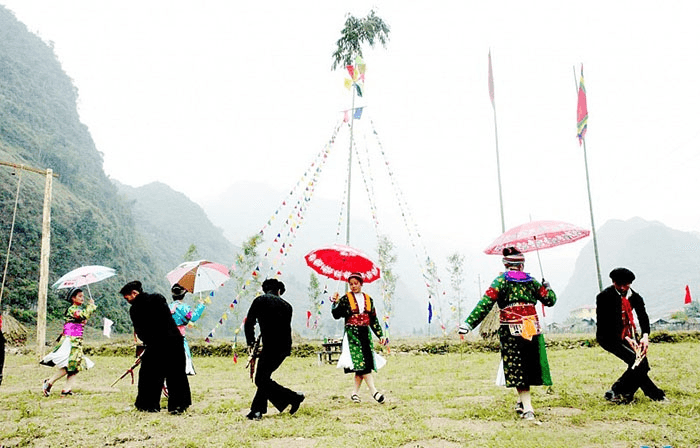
358, 320
514, 314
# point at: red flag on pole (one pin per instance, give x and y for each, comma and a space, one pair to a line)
581, 111
688, 299
491, 82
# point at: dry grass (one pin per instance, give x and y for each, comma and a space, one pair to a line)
432, 401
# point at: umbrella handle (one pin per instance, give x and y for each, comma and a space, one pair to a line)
537, 249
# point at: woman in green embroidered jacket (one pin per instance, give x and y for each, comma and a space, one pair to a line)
68, 355
357, 308
522, 345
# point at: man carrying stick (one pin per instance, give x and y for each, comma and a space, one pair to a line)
164, 357
617, 333
274, 316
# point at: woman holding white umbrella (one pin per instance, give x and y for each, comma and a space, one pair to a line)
68, 355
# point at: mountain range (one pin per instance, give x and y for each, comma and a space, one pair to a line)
663, 260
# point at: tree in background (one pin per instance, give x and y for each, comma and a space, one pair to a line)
247, 275
456, 264
435, 307
693, 309
356, 31
313, 317
387, 260
191, 254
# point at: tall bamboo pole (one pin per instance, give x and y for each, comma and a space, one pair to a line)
590, 203
44, 266
352, 122
495, 128
498, 168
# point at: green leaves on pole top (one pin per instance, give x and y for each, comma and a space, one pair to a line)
355, 33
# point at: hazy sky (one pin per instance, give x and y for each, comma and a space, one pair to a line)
203, 94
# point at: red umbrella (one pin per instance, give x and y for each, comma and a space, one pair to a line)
536, 235
339, 261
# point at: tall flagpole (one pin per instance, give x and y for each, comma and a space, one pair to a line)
498, 160
352, 122
588, 187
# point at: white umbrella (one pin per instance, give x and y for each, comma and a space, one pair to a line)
84, 276
198, 276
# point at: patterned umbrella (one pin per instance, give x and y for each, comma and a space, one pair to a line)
200, 275
84, 276
537, 235
339, 261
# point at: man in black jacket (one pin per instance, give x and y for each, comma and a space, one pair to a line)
617, 333
164, 357
274, 316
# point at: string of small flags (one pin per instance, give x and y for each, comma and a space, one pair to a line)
411, 227
283, 241
368, 181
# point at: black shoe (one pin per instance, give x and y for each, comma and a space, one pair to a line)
296, 404
254, 415
609, 395
178, 411
612, 397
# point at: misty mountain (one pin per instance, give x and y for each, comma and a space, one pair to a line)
170, 222
663, 260
90, 224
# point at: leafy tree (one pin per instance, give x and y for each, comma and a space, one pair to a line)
456, 263
355, 33
387, 260
434, 293
246, 275
680, 315
191, 254
315, 292
693, 309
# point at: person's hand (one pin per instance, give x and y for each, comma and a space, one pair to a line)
464, 329
382, 341
335, 297
644, 344
251, 350
545, 283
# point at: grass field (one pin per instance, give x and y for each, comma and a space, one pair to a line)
432, 401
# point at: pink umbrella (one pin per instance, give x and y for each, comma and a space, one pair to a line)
338, 262
537, 235
200, 275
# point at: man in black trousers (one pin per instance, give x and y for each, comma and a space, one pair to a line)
163, 360
274, 316
617, 333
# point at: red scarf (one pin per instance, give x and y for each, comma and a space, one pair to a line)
628, 327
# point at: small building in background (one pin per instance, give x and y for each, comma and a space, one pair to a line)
584, 312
